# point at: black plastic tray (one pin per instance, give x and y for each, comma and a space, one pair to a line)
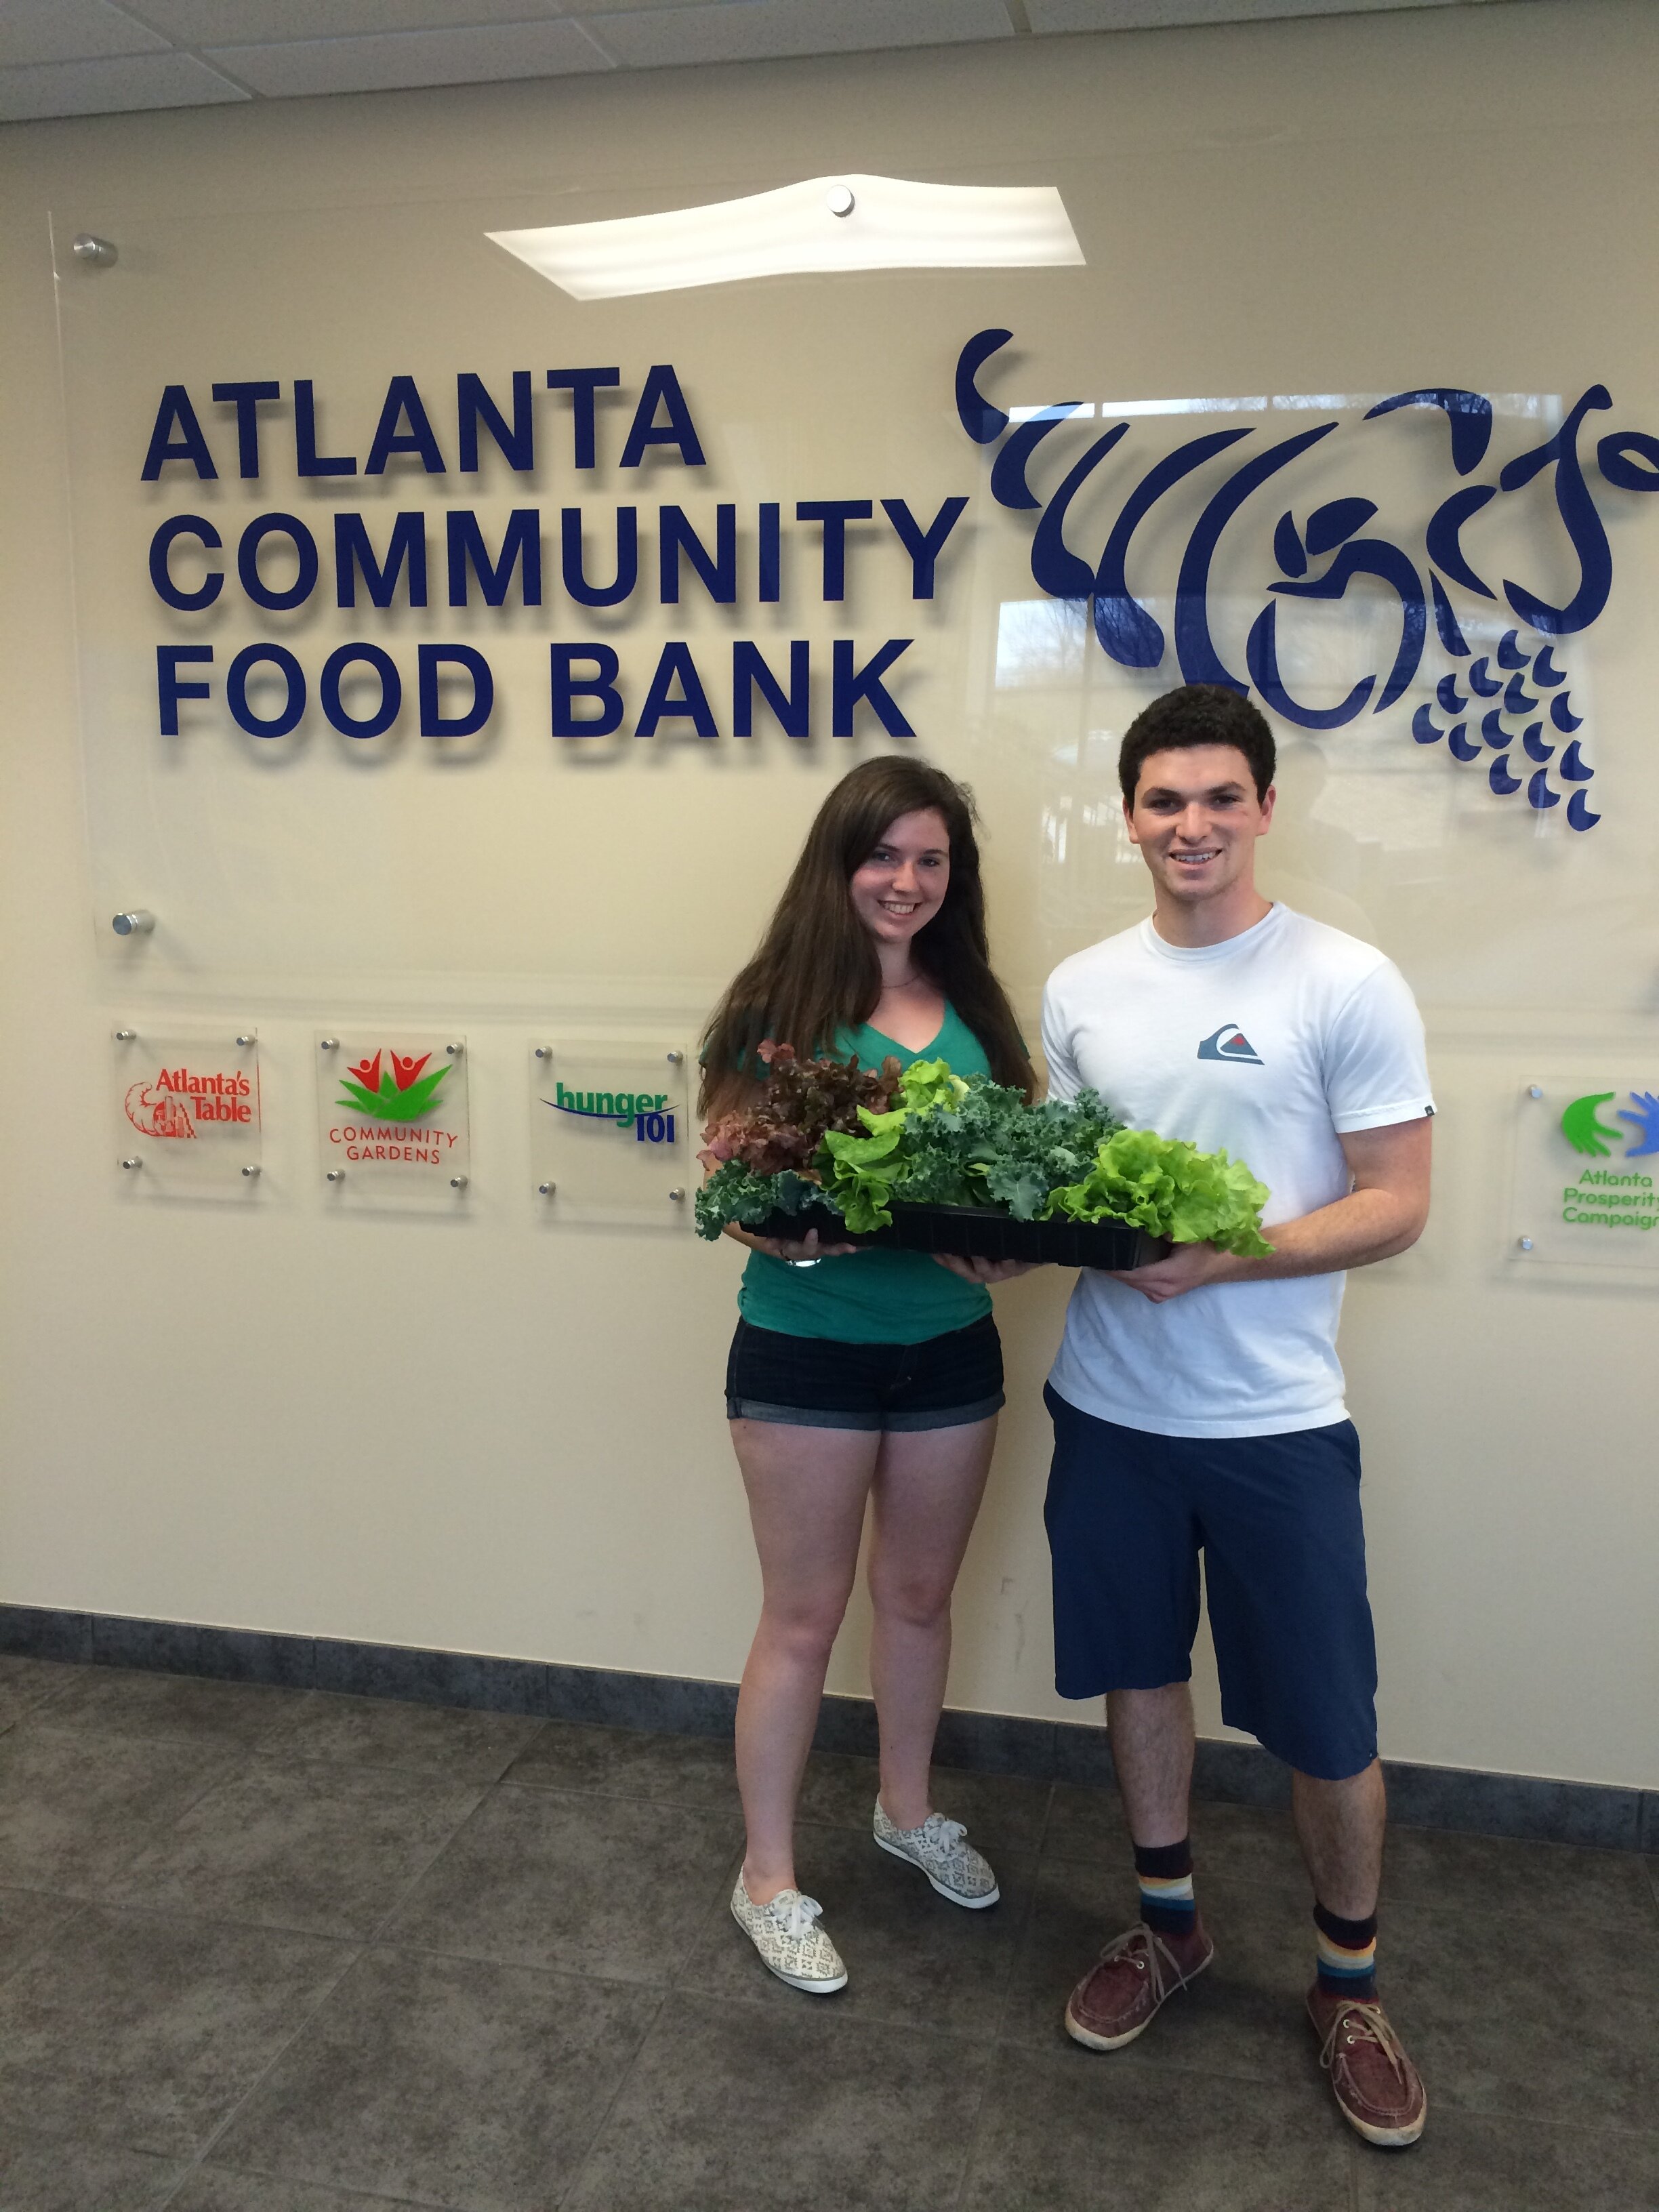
980, 1232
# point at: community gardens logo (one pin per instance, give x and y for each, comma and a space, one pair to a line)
398, 1092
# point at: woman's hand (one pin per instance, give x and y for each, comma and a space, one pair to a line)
984, 1271
789, 1248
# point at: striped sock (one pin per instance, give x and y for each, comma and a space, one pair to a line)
1165, 1875
1347, 1955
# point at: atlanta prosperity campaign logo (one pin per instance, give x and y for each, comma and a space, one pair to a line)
1617, 1196
1504, 702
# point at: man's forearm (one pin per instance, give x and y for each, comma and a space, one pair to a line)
1351, 1232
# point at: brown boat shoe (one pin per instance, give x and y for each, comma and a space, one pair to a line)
1119, 1995
1377, 2088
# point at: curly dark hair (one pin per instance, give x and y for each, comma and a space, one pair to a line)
1198, 714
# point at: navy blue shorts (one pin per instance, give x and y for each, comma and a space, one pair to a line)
818, 1382
1277, 1519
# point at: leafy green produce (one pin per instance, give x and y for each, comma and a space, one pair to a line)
736, 1193
1169, 1187
761, 1155
829, 1142
951, 1141
783, 1126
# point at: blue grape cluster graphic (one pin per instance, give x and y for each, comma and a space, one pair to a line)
1516, 701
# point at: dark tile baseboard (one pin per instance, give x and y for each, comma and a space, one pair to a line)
1468, 1799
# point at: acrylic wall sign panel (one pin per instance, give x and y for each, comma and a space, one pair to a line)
392, 1118
401, 578
186, 1110
611, 1136
1585, 1186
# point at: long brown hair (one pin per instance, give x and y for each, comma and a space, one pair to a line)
817, 971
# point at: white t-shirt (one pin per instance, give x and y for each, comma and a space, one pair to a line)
1270, 1044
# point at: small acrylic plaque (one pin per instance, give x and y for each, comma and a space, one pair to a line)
611, 1134
393, 1117
187, 1110
1585, 1186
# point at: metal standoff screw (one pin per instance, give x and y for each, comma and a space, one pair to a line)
452, 1049
541, 1052
329, 1044
1534, 1091
546, 1189
1525, 1242
132, 1164
125, 1036
247, 1038
250, 1171
676, 1192
336, 1175
458, 1182
839, 199
96, 252
675, 1058
138, 923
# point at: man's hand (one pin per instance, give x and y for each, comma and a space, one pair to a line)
1185, 1269
983, 1271
1384, 1213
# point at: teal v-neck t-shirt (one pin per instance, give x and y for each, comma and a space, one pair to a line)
875, 1297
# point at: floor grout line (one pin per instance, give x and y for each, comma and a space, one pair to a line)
673, 1986
217, 2134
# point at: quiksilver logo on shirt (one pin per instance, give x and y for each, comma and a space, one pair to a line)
1229, 1043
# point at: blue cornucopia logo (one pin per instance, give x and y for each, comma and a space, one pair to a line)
1490, 692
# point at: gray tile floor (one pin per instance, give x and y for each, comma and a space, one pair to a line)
280, 1951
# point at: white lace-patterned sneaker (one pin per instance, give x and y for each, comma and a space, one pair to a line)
791, 1945
941, 1849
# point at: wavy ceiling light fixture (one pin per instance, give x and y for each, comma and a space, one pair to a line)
816, 228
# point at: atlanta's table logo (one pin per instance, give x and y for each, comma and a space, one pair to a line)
177, 1100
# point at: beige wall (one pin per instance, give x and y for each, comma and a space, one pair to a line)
487, 1435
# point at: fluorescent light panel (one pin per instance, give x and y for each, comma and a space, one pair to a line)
895, 223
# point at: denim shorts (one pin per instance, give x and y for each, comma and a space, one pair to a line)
818, 1383
1276, 1520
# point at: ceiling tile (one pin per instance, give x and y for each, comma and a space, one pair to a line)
111, 88
400, 59
69, 31
749, 30
1166, 15
259, 22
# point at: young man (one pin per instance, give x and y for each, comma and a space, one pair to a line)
1197, 1402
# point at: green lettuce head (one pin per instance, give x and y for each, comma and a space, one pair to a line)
1170, 1189
929, 1083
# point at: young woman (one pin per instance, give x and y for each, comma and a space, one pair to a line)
858, 1375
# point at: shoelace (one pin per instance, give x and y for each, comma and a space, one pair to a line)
946, 1834
1157, 1955
799, 1916
1366, 2023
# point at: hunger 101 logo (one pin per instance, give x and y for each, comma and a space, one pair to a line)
645, 1112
